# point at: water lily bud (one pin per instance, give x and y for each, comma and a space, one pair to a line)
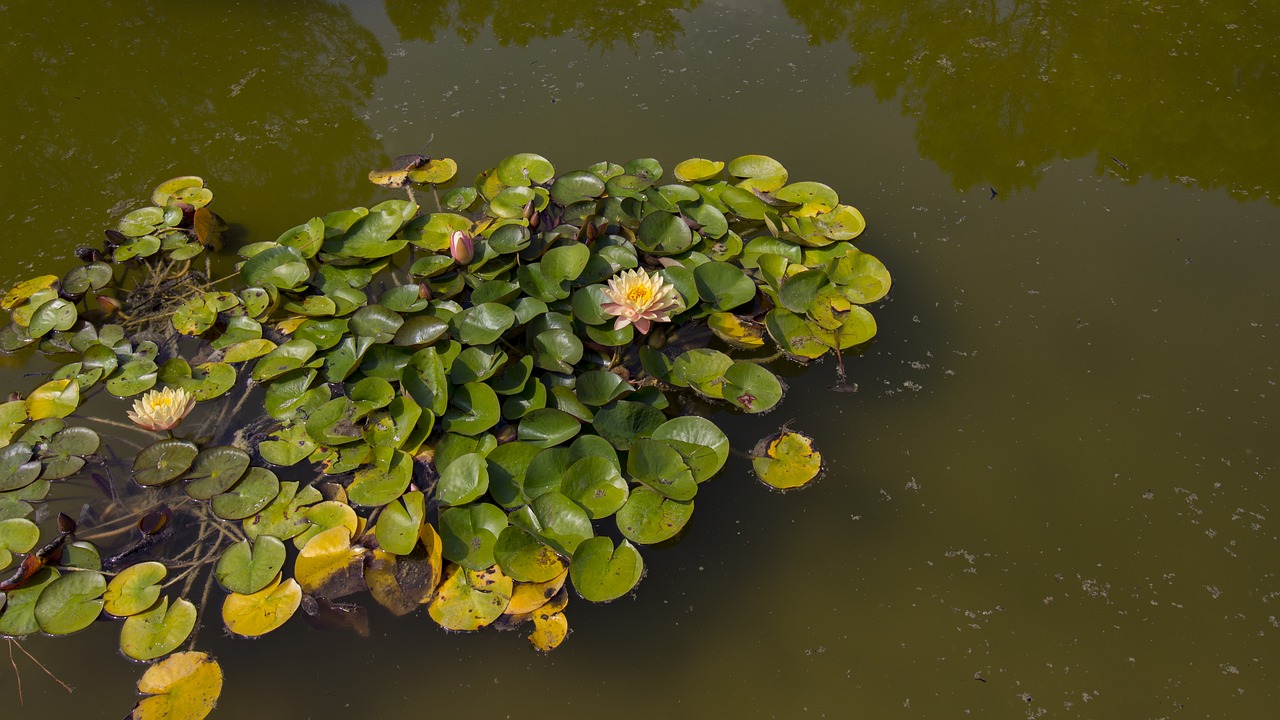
108, 303
424, 291
461, 247
528, 210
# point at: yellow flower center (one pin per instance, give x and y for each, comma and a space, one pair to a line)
640, 295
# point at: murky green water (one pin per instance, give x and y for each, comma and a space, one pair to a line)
1054, 493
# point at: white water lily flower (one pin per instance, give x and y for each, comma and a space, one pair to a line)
639, 299
161, 410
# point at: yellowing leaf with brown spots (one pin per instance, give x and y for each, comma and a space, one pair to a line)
527, 597
548, 631
469, 600
19, 293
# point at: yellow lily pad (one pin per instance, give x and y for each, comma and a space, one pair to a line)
261, 612
22, 291
786, 460
185, 686
330, 566
548, 631
469, 600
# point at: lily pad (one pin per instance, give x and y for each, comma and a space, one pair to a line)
470, 599
215, 470
256, 614
469, 533
163, 462
135, 589
601, 573
158, 631
700, 442
184, 686
247, 567
660, 466
648, 517
70, 603
330, 566
786, 460
252, 493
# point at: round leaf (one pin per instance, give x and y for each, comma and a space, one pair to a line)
247, 567
159, 631
135, 589
601, 573
70, 603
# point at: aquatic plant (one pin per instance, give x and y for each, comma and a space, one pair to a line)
473, 409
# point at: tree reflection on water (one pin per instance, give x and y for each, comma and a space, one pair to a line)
1184, 91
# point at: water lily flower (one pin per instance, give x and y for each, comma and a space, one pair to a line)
461, 247
161, 410
639, 299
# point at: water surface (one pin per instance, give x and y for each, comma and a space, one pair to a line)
1053, 494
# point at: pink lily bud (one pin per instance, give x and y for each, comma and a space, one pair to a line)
461, 247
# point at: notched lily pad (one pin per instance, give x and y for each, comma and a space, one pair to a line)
786, 460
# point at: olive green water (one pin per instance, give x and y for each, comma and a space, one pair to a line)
1054, 493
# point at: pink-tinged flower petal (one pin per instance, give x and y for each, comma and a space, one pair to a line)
638, 298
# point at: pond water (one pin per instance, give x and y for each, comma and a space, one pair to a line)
1054, 492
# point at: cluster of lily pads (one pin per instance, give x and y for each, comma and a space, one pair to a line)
471, 409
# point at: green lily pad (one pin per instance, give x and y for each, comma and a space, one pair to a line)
700, 442
57, 314
648, 517
563, 523
400, 523
64, 454
70, 603
524, 558
595, 483
660, 466
286, 515
215, 470
289, 446
601, 573
575, 187
525, 169
485, 323
135, 589
469, 533
247, 567
624, 421
17, 535
723, 286
159, 631
663, 233
18, 467
18, 618
844, 223
278, 266
134, 377
547, 427
473, 409
163, 461
751, 387
758, 172
464, 480
255, 491
374, 486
